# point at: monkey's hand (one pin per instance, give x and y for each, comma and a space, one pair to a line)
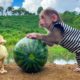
34, 36
77, 69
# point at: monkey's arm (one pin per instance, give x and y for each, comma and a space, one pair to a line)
46, 39
53, 37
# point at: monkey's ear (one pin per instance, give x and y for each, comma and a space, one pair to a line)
60, 27
54, 18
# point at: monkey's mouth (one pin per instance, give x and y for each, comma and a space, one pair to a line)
43, 25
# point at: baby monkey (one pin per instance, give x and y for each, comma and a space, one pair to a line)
59, 33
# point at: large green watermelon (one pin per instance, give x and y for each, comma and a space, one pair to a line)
30, 54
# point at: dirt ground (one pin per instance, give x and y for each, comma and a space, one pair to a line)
50, 72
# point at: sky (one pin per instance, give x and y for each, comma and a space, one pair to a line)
17, 2
32, 5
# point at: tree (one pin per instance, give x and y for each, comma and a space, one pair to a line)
39, 10
68, 17
9, 9
21, 11
15, 12
76, 22
26, 12
1, 10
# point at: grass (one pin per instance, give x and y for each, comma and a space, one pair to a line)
14, 28
58, 52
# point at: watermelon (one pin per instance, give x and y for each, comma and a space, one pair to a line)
30, 55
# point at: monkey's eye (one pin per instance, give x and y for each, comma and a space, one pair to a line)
42, 17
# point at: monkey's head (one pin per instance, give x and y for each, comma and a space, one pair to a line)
47, 17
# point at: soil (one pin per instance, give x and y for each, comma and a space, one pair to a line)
50, 72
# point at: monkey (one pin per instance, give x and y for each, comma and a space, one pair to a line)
59, 33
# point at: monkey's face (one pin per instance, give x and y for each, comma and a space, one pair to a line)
45, 21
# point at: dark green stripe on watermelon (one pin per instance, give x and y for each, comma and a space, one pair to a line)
30, 55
